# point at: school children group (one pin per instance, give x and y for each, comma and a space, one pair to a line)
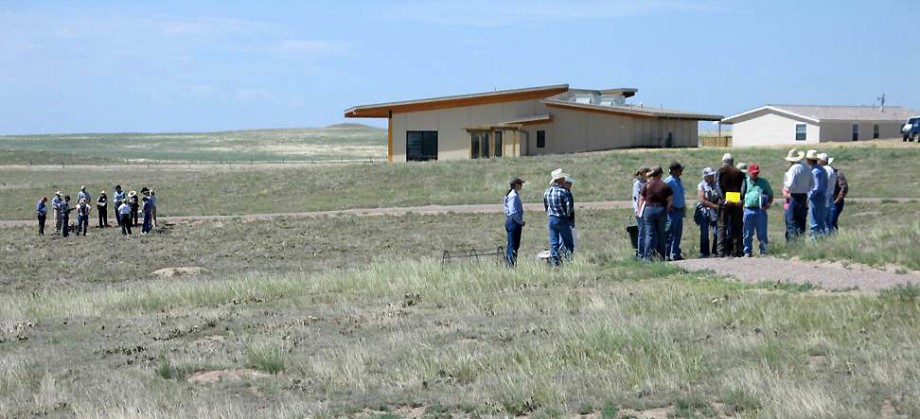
732, 208
125, 208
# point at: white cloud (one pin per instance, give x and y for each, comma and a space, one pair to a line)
511, 12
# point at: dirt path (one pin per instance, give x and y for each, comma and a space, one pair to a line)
825, 275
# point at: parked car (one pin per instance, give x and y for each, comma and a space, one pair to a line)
911, 130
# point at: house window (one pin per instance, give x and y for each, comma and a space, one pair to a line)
800, 131
541, 139
499, 145
421, 145
875, 132
855, 132
479, 145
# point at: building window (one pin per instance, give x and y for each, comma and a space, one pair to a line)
421, 145
800, 131
541, 139
479, 145
855, 132
875, 132
499, 144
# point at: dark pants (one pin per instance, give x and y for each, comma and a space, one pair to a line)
838, 208
561, 242
41, 224
103, 216
731, 224
82, 224
125, 224
707, 247
117, 215
514, 240
65, 225
147, 223
796, 216
134, 215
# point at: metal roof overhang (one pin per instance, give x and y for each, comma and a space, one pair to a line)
632, 111
513, 124
384, 110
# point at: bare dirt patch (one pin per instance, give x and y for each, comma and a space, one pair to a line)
178, 272
831, 276
211, 377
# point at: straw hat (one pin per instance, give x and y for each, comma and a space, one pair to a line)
708, 172
794, 156
811, 155
132, 193
556, 175
58, 193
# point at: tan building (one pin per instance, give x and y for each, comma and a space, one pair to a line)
527, 122
792, 124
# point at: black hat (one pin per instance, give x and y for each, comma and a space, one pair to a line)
675, 166
515, 181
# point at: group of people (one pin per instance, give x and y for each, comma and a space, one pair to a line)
732, 205
559, 206
126, 206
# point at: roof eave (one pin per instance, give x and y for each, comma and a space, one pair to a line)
383, 110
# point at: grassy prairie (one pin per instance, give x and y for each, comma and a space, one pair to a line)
356, 316
880, 169
349, 142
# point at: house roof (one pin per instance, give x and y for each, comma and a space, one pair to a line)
383, 110
818, 114
515, 123
639, 111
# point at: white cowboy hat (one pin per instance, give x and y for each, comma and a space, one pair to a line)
794, 156
132, 193
556, 175
708, 172
824, 157
811, 155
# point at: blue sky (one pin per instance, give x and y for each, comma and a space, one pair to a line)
169, 66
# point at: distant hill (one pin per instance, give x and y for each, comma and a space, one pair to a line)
352, 125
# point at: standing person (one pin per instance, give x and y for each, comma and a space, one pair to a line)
147, 208
124, 214
118, 198
56, 206
731, 219
758, 197
102, 205
559, 207
514, 220
707, 193
817, 196
797, 181
567, 184
83, 195
655, 199
135, 205
638, 183
41, 209
65, 216
153, 204
823, 161
840, 193
676, 213
82, 217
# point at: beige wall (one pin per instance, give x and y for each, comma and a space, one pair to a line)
768, 128
843, 131
451, 124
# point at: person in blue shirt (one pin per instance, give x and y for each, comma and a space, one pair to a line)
42, 211
560, 209
83, 195
65, 216
118, 198
147, 208
675, 225
817, 196
514, 220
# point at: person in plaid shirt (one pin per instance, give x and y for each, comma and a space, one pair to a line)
560, 208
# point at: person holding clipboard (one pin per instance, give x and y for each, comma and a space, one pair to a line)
731, 221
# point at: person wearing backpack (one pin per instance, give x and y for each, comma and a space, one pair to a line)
757, 196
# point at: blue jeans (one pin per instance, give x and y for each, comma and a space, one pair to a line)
796, 216
514, 240
82, 224
675, 232
654, 220
65, 225
817, 202
640, 243
838, 208
561, 243
707, 227
147, 226
829, 214
755, 220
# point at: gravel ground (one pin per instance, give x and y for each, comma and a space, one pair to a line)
830, 276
